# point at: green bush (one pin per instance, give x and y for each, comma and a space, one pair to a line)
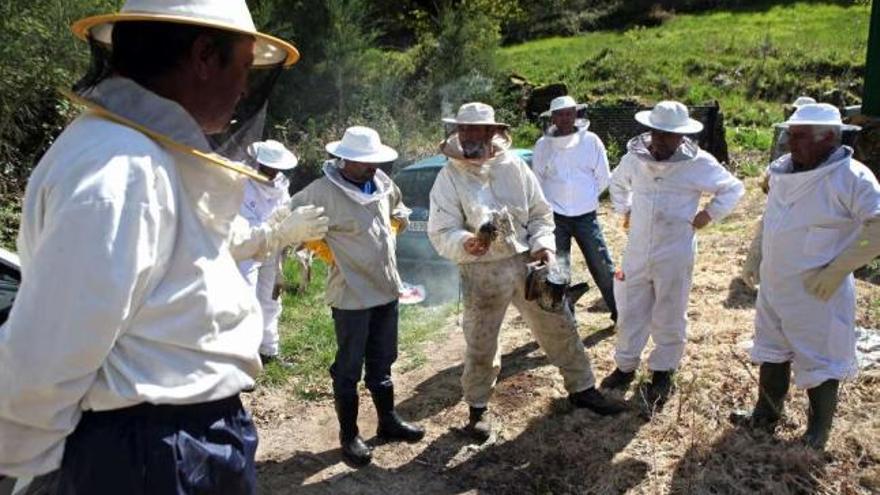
38, 54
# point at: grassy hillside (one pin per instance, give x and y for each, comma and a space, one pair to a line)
750, 61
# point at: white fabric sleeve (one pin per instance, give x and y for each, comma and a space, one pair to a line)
540, 159
865, 198
541, 227
726, 188
601, 170
248, 241
621, 185
446, 222
94, 263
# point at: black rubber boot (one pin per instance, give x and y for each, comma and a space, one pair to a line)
391, 427
593, 400
655, 394
823, 404
479, 424
773, 383
618, 380
354, 450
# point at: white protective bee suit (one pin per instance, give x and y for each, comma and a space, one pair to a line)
662, 199
811, 218
461, 198
261, 201
130, 293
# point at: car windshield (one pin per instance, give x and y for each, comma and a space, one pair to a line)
415, 185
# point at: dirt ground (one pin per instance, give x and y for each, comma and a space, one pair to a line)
545, 446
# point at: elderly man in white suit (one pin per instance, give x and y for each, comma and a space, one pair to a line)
821, 223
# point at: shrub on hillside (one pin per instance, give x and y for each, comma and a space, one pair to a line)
38, 55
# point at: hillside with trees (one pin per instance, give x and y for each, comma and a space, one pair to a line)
399, 66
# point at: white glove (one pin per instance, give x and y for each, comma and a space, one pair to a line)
824, 282
283, 229
751, 269
306, 223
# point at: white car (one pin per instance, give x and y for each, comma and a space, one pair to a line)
10, 278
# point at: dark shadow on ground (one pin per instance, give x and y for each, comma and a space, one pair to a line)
742, 461
740, 295
598, 306
533, 458
443, 390
561, 451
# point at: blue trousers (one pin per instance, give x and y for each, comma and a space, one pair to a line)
588, 234
147, 449
365, 338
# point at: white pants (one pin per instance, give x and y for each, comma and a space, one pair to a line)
818, 337
652, 301
271, 307
488, 290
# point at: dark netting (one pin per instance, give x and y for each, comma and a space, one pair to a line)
99, 68
249, 120
247, 124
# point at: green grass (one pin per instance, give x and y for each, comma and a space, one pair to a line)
751, 62
308, 340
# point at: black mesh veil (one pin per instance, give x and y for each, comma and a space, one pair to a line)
247, 124
99, 68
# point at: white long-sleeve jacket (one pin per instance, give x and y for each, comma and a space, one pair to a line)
663, 198
812, 217
129, 292
463, 194
573, 171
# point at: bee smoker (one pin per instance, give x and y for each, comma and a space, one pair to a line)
487, 233
552, 288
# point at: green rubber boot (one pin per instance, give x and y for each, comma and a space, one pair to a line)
774, 381
823, 404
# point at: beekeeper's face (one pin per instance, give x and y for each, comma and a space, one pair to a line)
224, 82
476, 140
664, 144
359, 172
810, 145
564, 119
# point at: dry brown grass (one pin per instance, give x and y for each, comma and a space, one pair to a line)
545, 447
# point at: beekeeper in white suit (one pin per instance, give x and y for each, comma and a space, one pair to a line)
133, 331
261, 201
483, 180
657, 187
821, 223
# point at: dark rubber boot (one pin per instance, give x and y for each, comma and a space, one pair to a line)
354, 450
593, 400
391, 427
618, 380
479, 424
823, 404
773, 384
654, 395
